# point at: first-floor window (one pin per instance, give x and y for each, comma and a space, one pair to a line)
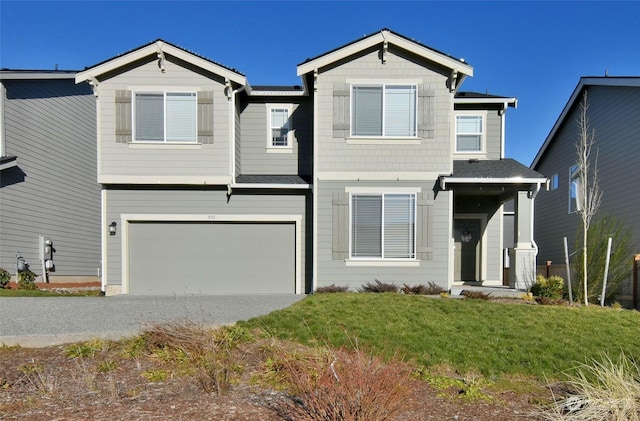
383, 226
165, 117
575, 203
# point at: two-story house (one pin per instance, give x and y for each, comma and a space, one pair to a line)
377, 167
613, 109
48, 188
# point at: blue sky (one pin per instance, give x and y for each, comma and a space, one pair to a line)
534, 51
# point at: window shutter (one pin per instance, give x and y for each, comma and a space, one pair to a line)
205, 117
341, 110
424, 221
340, 225
425, 112
123, 116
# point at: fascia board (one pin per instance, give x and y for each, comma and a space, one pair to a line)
377, 39
480, 180
26, 75
506, 101
152, 49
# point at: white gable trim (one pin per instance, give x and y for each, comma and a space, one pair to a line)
385, 36
159, 48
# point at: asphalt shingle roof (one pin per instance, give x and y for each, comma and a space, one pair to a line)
493, 168
271, 179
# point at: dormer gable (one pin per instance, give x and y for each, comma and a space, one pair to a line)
158, 50
459, 70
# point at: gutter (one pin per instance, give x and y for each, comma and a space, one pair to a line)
269, 186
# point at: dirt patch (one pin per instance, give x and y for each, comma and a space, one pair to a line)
47, 384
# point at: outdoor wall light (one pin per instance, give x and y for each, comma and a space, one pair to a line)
466, 237
112, 228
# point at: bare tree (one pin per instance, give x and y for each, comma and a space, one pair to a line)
587, 188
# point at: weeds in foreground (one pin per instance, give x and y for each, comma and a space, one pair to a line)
379, 287
601, 390
341, 385
333, 288
431, 289
37, 377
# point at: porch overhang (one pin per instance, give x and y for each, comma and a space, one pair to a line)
495, 177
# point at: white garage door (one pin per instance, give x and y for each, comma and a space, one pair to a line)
211, 258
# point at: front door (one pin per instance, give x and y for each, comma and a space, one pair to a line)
466, 235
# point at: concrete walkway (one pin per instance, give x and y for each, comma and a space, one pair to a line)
44, 321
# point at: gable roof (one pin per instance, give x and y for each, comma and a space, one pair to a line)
160, 47
386, 36
630, 81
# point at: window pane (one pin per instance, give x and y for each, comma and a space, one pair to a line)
400, 111
469, 143
181, 117
469, 124
469, 133
149, 117
279, 127
366, 226
367, 111
399, 225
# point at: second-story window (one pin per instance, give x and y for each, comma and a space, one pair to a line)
165, 117
279, 135
469, 133
383, 110
575, 181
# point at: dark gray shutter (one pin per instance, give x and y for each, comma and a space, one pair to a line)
424, 226
341, 110
425, 112
123, 116
340, 225
205, 117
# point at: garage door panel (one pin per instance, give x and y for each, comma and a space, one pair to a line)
216, 258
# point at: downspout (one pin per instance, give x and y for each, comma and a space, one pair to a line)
231, 96
2, 145
534, 193
314, 280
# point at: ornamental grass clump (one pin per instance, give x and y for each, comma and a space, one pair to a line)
378, 287
602, 390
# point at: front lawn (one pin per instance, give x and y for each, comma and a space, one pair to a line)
467, 335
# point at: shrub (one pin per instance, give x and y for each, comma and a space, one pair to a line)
26, 280
601, 390
476, 295
343, 386
333, 288
421, 289
5, 276
552, 287
378, 287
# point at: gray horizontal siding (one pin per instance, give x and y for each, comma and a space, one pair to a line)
201, 201
336, 271
613, 114
50, 125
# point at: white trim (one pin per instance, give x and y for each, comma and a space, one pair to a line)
36, 75
269, 186
3, 94
377, 176
164, 88
152, 50
127, 218
314, 280
382, 263
164, 179
481, 180
104, 232
277, 93
164, 145
7, 165
383, 140
505, 101
383, 81
271, 148
381, 190
380, 38
483, 140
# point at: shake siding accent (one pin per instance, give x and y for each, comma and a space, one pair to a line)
211, 159
50, 125
334, 270
433, 151
613, 113
201, 201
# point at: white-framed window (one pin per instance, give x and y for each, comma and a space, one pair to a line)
554, 182
470, 132
383, 110
165, 117
279, 126
383, 226
574, 189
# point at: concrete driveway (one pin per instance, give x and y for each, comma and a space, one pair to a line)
44, 321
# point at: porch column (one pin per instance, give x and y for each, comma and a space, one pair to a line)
523, 256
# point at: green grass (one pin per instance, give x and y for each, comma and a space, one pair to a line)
41, 293
466, 335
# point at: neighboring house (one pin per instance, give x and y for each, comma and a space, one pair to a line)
377, 167
614, 107
48, 187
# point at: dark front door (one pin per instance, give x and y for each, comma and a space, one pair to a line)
466, 234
